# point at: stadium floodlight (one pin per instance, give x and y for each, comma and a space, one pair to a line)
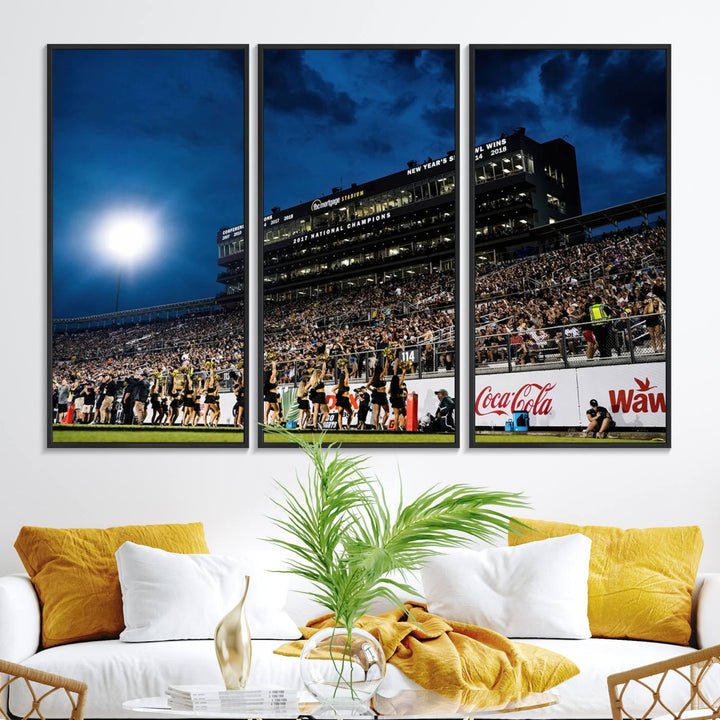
127, 237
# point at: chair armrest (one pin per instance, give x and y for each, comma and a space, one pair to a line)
708, 611
19, 618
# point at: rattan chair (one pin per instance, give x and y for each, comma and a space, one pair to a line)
697, 672
41, 685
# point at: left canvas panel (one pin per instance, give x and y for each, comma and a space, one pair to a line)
147, 278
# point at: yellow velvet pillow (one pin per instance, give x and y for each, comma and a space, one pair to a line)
641, 580
76, 578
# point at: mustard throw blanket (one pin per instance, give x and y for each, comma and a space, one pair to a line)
466, 664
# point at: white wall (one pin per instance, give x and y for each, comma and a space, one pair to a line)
227, 489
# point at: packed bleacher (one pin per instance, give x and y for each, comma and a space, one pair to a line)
359, 324
158, 346
548, 295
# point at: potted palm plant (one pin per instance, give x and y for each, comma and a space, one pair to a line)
343, 537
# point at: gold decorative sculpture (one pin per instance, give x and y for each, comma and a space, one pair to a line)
233, 646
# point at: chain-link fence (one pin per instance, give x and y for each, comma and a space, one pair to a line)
629, 339
434, 357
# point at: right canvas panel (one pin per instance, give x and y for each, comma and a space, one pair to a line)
570, 282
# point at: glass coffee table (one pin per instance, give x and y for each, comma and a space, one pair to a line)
406, 705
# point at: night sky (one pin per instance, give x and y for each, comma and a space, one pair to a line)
151, 132
611, 105
160, 132
334, 117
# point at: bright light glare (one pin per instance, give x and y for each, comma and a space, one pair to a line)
128, 237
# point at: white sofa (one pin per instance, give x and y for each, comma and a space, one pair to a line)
116, 671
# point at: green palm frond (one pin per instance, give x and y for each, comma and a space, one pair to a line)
347, 542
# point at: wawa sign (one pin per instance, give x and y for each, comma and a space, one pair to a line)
634, 395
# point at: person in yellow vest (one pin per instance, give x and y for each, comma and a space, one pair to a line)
599, 314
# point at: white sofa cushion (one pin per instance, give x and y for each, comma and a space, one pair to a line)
708, 614
19, 618
534, 590
117, 671
176, 596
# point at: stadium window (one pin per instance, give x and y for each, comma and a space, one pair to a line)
321, 221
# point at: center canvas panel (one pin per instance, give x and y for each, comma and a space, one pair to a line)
358, 286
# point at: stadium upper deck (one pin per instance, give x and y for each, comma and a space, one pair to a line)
404, 223
388, 228
231, 257
521, 184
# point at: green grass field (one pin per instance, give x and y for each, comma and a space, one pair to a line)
369, 437
530, 439
141, 434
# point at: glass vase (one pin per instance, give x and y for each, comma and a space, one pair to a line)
342, 670
233, 645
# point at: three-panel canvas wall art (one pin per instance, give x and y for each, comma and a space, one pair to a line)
549, 216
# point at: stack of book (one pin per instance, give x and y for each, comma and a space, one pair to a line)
259, 701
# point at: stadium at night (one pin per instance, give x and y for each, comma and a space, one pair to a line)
363, 274
541, 270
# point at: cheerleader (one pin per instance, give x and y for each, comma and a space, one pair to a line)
271, 396
379, 395
239, 392
212, 400
164, 407
404, 395
188, 402
397, 401
177, 388
303, 402
317, 397
197, 390
342, 398
158, 412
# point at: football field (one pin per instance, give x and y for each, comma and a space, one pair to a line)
368, 437
145, 434
547, 438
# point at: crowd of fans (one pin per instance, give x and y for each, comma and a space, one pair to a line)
535, 302
541, 300
359, 324
143, 360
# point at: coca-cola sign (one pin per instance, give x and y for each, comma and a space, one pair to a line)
533, 398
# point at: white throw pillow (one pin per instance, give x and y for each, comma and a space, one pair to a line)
176, 596
536, 590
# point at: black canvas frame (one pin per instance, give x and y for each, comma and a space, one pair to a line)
259, 357
49, 214
470, 179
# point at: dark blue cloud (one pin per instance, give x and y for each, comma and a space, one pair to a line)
627, 90
152, 131
333, 117
293, 88
439, 119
